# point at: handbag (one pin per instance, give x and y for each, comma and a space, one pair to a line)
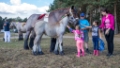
101, 45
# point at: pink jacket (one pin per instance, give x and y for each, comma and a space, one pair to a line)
112, 21
76, 33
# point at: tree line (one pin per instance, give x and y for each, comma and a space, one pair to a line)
18, 19
91, 8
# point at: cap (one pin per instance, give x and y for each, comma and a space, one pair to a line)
82, 14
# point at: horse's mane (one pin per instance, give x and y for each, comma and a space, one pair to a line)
56, 10
32, 15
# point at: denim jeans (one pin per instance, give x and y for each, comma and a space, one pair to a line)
95, 40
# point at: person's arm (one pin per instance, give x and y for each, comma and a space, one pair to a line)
100, 33
112, 21
70, 29
111, 24
73, 31
4, 24
87, 24
87, 27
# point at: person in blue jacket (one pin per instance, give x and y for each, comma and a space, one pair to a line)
7, 31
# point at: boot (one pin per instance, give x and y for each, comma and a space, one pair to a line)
87, 51
97, 52
78, 54
83, 53
94, 52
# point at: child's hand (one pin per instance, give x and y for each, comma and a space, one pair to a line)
100, 37
82, 29
88, 27
107, 31
70, 29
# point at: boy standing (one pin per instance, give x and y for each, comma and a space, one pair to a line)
83, 23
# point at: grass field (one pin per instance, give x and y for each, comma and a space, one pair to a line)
12, 55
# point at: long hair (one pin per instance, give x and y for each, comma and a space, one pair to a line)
105, 10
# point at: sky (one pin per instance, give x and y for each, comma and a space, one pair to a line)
23, 8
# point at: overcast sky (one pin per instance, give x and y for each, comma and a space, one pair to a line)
23, 8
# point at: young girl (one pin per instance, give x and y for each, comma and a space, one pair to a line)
95, 37
79, 41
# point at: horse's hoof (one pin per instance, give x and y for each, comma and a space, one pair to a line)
35, 53
56, 52
26, 48
61, 53
40, 53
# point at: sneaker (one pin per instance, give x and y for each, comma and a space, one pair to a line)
87, 51
109, 55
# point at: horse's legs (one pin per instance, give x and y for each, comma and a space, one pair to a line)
20, 36
36, 48
32, 37
26, 40
60, 40
56, 48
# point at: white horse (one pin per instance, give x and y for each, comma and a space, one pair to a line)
54, 30
20, 26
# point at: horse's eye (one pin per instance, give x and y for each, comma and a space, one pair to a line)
71, 17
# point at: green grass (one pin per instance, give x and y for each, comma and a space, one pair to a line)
12, 55
12, 44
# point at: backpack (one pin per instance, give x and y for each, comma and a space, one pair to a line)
101, 45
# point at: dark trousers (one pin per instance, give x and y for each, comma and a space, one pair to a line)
52, 45
95, 40
110, 39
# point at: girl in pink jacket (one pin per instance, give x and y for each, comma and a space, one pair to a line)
107, 25
79, 41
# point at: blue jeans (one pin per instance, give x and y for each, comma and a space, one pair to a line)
95, 40
86, 37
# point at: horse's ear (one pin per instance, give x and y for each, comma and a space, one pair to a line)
72, 7
68, 14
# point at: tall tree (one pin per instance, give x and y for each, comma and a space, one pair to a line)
90, 7
25, 20
1, 23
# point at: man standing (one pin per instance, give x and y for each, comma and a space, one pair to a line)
83, 23
7, 31
52, 45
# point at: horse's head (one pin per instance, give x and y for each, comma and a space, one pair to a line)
71, 19
73, 15
56, 15
12, 25
73, 11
